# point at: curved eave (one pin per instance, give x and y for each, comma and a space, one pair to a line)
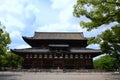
28, 40
14, 51
34, 42
29, 50
32, 38
87, 51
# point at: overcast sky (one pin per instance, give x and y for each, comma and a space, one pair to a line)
24, 17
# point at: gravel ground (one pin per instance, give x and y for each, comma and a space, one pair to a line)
59, 76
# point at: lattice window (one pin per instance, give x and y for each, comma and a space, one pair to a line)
35, 55
66, 56
27, 56
76, 56
40, 56
55, 56
86, 56
71, 56
50, 56
89, 56
88, 62
81, 56
30, 56
45, 56
61, 55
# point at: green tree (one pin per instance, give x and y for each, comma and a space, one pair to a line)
7, 59
109, 42
105, 62
13, 60
102, 12
4, 40
3, 61
99, 12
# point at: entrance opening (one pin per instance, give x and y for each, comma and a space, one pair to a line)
58, 64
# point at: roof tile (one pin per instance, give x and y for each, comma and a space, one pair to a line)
58, 35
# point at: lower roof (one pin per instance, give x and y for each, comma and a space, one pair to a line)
72, 50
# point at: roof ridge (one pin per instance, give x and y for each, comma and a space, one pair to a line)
59, 32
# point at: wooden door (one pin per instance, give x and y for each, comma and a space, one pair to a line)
58, 64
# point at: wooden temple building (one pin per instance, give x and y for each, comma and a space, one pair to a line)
52, 50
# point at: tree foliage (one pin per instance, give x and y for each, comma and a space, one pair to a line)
7, 59
98, 12
109, 42
4, 40
11, 60
102, 12
106, 62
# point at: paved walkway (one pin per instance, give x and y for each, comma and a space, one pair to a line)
58, 76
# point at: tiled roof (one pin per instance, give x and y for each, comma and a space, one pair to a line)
37, 50
84, 50
31, 50
58, 35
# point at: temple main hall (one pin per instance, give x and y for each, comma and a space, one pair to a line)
52, 50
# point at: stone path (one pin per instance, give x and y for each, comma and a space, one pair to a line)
58, 76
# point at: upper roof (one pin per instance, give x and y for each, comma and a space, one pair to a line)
46, 38
59, 35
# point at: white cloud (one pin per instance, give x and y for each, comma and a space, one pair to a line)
15, 34
94, 46
13, 22
60, 27
25, 15
16, 15
58, 4
10, 11
11, 6
66, 14
65, 7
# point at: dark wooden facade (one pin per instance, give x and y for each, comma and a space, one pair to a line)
52, 50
